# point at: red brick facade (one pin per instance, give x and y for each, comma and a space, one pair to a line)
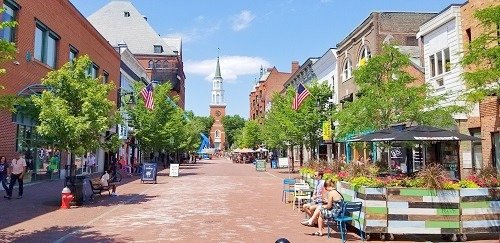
218, 112
488, 121
62, 18
265, 90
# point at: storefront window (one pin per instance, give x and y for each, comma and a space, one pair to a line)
495, 138
477, 150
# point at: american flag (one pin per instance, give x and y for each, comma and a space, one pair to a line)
300, 96
147, 95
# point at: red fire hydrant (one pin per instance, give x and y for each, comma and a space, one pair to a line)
66, 198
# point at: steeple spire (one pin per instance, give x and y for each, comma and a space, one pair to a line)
217, 69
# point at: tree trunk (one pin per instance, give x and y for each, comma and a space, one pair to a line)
301, 155
292, 158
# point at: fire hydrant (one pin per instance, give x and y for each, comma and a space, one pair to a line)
66, 198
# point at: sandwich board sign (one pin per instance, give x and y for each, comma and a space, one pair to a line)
149, 172
260, 165
174, 170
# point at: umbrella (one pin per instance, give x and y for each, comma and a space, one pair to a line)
375, 135
422, 133
208, 151
237, 150
247, 150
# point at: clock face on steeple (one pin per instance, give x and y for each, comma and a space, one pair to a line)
217, 113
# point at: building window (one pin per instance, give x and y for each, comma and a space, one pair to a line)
495, 139
447, 60
217, 134
347, 70
440, 62
158, 49
468, 32
477, 149
73, 53
93, 71
365, 53
105, 77
150, 64
432, 65
45, 45
7, 33
126, 14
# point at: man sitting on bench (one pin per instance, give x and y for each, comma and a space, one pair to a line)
106, 182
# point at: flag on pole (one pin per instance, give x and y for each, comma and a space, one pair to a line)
147, 95
300, 96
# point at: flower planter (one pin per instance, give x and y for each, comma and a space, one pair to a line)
480, 210
373, 216
423, 211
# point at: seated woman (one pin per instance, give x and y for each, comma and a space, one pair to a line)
328, 210
106, 181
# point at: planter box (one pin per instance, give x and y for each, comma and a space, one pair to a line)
423, 211
373, 216
480, 210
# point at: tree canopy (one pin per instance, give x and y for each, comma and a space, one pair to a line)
387, 96
75, 110
232, 126
7, 52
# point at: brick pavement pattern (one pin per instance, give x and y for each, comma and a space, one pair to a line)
211, 201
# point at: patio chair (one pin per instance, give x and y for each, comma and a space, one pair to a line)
348, 215
299, 194
287, 188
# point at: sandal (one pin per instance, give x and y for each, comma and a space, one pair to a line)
316, 234
306, 223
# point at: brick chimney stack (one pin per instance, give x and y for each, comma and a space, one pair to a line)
295, 66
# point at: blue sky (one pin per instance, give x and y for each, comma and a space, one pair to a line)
251, 33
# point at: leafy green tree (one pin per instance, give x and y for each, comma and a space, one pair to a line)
7, 52
75, 110
163, 127
232, 125
386, 97
482, 57
250, 135
207, 122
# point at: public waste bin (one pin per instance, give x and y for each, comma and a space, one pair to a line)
274, 164
75, 184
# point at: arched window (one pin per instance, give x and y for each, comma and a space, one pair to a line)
347, 70
165, 64
217, 99
213, 98
158, 64
364, 54
150, 64
217, 134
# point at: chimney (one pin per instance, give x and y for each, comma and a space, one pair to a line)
295, 66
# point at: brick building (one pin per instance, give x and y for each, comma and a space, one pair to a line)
271, 81
485, 122
217, 111
120, 22
366, 40
49, 34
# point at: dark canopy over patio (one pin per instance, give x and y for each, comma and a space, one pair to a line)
416, 133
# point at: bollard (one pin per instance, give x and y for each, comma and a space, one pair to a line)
66, 198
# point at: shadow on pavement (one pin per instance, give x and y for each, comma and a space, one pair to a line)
107, 200
78, 234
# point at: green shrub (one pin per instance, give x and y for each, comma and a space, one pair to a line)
365, 181
433, 176
466, 183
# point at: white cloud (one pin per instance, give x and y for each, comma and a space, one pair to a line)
242, 20
231, 67
196, 33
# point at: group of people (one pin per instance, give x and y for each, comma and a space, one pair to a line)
11, 173
326, 203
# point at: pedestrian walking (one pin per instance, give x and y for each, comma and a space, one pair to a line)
18, 169
4, 167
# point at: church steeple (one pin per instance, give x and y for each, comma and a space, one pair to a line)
217, 86
217, 69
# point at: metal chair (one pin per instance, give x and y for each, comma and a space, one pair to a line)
287, 188
347, 215
299, 195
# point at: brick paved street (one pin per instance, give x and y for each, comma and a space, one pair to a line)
212, 201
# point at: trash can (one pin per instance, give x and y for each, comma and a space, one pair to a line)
75, 184
274, 164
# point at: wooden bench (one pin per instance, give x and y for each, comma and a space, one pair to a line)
97, 188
